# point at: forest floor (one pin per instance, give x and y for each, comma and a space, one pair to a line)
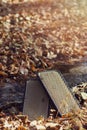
35, 36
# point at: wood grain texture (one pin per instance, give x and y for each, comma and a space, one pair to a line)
36, 100
58, 91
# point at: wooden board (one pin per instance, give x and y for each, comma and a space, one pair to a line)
58, 91
36, 100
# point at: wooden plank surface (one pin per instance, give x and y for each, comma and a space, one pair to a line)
36, 100
58, 91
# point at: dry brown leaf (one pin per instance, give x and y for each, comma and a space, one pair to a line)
1, 66
21, 128
2, 73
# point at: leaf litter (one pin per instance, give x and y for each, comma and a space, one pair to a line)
39, 35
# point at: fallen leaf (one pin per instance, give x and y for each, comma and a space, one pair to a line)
84, 95
2, 73
21, 128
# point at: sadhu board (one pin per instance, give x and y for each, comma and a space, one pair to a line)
59, 92
50, 84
